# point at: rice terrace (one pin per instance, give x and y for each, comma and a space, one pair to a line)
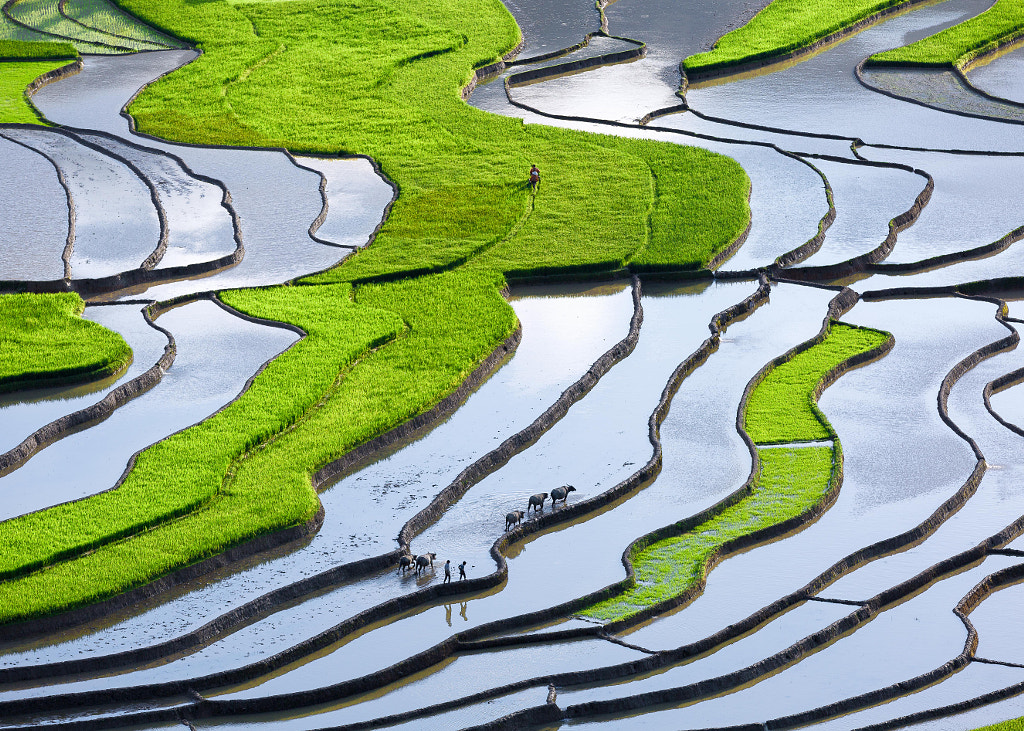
547, 364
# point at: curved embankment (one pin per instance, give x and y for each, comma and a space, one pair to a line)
946, 90
533, 76
786, 30
348, 572
30, 327
419, 598
787, 488
146, 274
69, 423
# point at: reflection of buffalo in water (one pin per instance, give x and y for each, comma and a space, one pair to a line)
514, 518
561, 493
427, 559
537, 501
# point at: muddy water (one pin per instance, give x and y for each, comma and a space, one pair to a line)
943, 90
216, 354
866, 199
920, 635
116, 224
885, 415
353, 210
562, 336
34, 220
199, 227
1003, 77
275, 200
823, 95
24, 412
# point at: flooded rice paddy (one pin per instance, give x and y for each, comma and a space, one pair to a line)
844, 621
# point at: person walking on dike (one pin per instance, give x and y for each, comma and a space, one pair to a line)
447, 571
534, 177
462, 571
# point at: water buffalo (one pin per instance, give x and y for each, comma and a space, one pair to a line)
561, 493
404, 562
427, 559
537, 502
514, 518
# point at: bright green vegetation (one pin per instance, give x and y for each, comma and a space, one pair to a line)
35, 50
782, 27
398, 69
791, 482
1016, 724
783, 408
245, 471
44, 17
377, 77
999, 26
15, 76
44, 341
101, 15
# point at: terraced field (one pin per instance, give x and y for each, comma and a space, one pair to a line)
761, 313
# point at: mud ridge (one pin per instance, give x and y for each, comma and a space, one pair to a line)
70, 423
6, 9
69, 244
523, 78
901, 222
732, 68
970, 88
812, 245
145, 274
840, 304
61, 621
62, 9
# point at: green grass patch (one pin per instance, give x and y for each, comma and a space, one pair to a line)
1000, 25
1016, 724
782, 27
35, 50
245, 471
783, 408
44, 17
102, 15
45, 342
790, 483
15, 77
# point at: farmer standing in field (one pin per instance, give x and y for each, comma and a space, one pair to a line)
534, 177
447, 571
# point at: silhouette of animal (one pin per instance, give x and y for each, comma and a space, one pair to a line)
427, 559
514, 518
537, 502
405, 562
561, 493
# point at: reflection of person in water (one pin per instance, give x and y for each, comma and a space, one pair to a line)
534, 177
448, 614
462, 611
